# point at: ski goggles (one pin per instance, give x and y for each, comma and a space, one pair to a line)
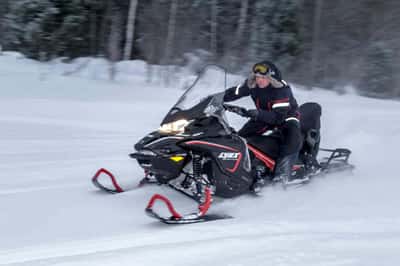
261, 69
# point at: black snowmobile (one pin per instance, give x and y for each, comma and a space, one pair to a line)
197, 152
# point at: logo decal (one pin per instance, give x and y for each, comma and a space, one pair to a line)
228, 155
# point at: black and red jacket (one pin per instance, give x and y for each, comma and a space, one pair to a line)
269, 101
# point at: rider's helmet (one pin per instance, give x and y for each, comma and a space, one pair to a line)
270, 70
267, 68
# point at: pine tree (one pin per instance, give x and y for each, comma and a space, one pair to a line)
377, 78
4, 5
28, 25
275, 31
49, 27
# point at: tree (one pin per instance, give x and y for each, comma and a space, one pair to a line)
28, 24
214, 26
170, 39
115, 37
48, 27
315, 41
241, 24
171, 31
377, 76
275, 32
130, 29
96, 12
4, 6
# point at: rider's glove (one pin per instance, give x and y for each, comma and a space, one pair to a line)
271, 117
252, 113
280, 118
236, 109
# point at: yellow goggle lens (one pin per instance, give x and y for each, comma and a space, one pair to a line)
261, 69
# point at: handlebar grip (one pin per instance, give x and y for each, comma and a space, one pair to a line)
236, 109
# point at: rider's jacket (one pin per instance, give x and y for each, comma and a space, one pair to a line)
269, 101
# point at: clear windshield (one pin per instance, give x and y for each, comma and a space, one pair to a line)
211, 80
204, 96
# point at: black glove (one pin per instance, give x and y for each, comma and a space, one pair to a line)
252, 114
271, 117
280, 118
236, 109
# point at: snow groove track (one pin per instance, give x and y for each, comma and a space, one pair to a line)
271, 242
38, 188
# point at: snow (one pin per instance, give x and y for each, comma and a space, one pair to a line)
56, 130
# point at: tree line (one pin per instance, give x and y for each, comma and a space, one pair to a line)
315, 42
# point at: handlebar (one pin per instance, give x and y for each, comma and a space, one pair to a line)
236, 109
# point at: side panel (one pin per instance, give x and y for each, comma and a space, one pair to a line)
230, 168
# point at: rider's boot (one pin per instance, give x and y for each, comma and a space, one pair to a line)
283, 171
259, 179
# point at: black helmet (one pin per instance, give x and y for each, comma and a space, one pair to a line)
267, 68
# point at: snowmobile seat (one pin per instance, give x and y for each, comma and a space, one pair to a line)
310, 124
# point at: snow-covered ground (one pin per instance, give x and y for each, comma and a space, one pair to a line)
57, 130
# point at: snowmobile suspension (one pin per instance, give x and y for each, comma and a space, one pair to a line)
197, 172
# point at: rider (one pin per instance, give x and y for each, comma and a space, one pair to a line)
276, 109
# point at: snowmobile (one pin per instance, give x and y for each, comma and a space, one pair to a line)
196, 152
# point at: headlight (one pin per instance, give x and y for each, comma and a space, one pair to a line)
174, 127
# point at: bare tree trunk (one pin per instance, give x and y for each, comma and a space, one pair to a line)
3, 12
242, 23
170, 37
130, 30
171, 30
254, 38
102, 46
235, 48
115, 39
93, 32
214, 24
315, 40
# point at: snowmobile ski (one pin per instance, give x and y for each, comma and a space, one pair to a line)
177, 218
115, 187
111, 185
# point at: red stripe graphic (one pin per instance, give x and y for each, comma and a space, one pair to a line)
268, 161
